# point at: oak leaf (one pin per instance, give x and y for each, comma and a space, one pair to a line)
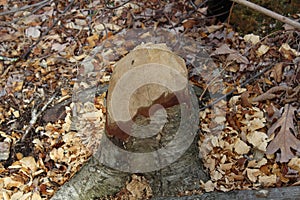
285, 138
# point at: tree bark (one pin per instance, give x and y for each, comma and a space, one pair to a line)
287, 193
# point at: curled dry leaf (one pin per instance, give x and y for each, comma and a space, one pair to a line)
285, 138
277, 72
262, 50
288, 52
294, 164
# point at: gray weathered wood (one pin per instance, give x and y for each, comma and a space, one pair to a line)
286, 193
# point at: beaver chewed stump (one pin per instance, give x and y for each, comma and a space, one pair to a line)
151, 129
154, 113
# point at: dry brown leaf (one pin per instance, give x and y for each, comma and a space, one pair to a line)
254, 39
245, 100
3, 2
294, 164
189, 23
4, 150
214, 28
284, 139
268, 181
224, 49
239, 58
139, 188
234, 55
262, 50
209, 186
288, 52
241, 147
277, 72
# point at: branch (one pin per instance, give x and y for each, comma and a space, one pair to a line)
25, 55
235, 89
269, 13
35, 115
25, 7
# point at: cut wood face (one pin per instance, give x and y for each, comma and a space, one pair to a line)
150, 74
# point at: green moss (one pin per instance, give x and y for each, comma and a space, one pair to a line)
246, 20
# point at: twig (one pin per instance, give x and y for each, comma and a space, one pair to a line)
196, 7
31, 12
115, 7
25, 55
35, 116
25, 7
269, 13
8, 59
232, 91
211, 82
230, 13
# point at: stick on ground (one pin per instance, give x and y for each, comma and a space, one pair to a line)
269, 13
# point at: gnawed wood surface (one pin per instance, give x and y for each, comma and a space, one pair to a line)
146, 63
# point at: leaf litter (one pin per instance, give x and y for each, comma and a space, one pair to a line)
257, 145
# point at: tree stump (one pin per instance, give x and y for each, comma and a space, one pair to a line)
156, 137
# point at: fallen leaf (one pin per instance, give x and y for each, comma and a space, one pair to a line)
36, 196
284, 139
241, 147
91, 40
3, 2
29, 162
253, 174
267, 181
112, 27
33, 32
4, 150
224, 49
209, 186
254, 39
294, 164
245, 100
277, 72
258, 140
139, 188
59, 47
239, 58
189, 23
214, 28
262, 50
233, 54
288, 52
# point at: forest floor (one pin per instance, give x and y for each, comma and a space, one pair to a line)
250, 131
